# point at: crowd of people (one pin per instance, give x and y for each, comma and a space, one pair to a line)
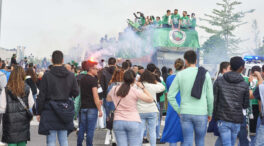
134, 97
169, 20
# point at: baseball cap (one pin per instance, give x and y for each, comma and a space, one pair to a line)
91, 63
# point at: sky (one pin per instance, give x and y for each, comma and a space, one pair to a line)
47, 25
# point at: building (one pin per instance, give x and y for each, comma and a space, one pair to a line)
6, 54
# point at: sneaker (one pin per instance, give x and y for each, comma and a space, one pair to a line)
2, 144
158, 141
75, 123
145, 140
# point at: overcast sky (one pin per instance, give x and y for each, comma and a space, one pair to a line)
45, 25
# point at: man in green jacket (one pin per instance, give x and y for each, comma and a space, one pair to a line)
194, 112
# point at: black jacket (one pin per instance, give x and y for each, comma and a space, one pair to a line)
13, 61
231, 94
165, 76
32, 85
105, 78
58, 84
15, 120
198, 83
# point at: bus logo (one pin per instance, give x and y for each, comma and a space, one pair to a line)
177, 37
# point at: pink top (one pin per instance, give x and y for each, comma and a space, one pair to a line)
127, 108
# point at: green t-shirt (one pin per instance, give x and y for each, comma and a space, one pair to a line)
193, 23
165, 19
157, 24
252, 101
142, 21
162, 98
175, 18
185, 21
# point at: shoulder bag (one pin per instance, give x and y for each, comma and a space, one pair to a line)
110, 118
29, 114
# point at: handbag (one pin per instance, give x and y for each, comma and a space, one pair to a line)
64, 110
110, 118
29, 114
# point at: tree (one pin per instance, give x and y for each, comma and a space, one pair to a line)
260, 50
225, 21
256, 32
214, 50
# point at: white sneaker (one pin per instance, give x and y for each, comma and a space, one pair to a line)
76, 124
2, 144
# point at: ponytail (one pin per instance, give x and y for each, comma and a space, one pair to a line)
129, 78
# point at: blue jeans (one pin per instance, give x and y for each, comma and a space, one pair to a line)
87, 124
145, 132
228, 132
127, 133
176, 25
260, 136
62, 136
151, 120
159, 122
108, 107
218, 141
193, 124
166, 26
243, 135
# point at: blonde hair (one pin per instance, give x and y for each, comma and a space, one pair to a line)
16, 81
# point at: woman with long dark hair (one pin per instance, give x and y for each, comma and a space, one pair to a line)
164, 72
149, 111
117, 79
16, 121
31, 80
127, 120
160, 101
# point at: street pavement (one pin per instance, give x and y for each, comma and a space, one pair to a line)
99, 137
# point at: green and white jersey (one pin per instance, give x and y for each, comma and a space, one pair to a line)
175, 18
185, 21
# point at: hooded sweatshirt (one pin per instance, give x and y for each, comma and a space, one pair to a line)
57, 84
106, 76
231, 94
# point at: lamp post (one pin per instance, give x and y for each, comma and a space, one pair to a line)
0, 16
